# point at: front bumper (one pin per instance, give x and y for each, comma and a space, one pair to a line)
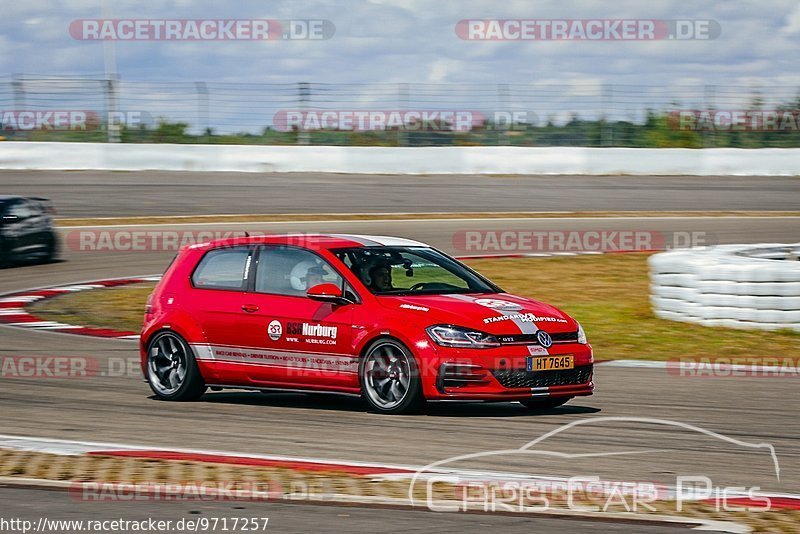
500, 374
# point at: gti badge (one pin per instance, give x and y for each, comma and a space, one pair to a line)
544, 339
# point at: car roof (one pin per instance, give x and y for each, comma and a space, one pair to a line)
5, 198
315, 241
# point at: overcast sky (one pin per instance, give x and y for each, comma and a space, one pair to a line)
415, 41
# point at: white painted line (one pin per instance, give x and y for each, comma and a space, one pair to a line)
299, 498
701, 367
646, 364
76, 448
426, 220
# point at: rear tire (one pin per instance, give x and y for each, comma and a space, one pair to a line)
51, 248
390, 378
172, 371
545, 404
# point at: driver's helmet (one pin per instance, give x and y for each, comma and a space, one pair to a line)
367, 269
302, 272
368, 266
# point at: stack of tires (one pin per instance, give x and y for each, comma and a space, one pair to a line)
734, 286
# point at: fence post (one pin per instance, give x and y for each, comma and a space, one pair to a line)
202, 109
304, 94
709, 95
112, 115
607, 133
503, 102
402, 100
19, 94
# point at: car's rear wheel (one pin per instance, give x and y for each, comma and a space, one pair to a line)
546, 403
50, 248
390, 378
171, 369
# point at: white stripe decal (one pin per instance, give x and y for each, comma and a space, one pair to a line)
276, 358
525, 327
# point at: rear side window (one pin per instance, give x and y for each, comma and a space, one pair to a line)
292, 271
225, 268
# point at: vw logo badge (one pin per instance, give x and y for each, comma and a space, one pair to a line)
544, 339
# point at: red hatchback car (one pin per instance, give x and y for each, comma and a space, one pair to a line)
391, 319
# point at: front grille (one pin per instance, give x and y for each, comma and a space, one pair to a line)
530, 339
520, 378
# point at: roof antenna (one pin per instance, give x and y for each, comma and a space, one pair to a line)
246, 233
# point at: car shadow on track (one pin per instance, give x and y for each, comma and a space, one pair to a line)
322, 401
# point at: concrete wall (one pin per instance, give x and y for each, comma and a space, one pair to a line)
378, 160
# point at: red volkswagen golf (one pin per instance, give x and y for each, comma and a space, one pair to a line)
390, 319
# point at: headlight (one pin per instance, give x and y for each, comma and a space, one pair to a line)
456, 336
581, 335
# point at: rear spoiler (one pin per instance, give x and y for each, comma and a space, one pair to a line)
46, 203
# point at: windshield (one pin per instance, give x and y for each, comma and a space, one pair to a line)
412, 271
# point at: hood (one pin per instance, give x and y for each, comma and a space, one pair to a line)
494, 313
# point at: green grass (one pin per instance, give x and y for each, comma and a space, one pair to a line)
607, 294
120, 308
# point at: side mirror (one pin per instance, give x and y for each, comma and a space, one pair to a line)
327, 293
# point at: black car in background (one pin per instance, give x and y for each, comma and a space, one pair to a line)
26, 230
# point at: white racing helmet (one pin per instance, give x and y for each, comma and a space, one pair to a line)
299, 275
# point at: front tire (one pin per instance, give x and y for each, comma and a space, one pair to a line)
545, 404
172, 371
390, 378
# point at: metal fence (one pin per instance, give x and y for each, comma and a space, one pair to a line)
581, 114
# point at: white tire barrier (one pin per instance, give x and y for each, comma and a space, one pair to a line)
733, 286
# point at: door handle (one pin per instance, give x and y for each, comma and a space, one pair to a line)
250, 308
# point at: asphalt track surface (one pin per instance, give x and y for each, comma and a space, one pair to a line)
31, 504
120, 408
114, 194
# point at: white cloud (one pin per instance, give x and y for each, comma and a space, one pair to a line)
389, 41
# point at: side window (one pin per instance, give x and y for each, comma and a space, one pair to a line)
19, 210
224, 268
291, 271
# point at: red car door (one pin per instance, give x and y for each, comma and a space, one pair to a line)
294, 341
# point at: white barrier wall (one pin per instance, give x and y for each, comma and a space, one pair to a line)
735, 286
417, 160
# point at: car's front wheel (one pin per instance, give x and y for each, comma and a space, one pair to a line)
545, 404
390, 378
171, 369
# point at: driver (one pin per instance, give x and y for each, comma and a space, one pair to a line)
315, 276
381, 277
306, 275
